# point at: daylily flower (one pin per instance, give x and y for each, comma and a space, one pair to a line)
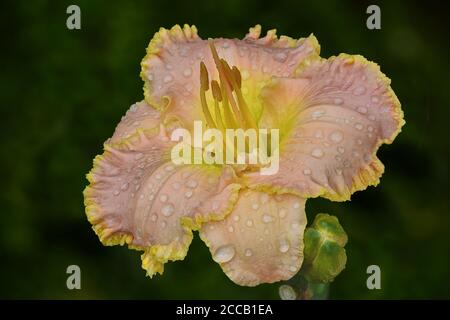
332, 114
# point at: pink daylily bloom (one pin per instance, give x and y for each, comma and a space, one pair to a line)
332, 114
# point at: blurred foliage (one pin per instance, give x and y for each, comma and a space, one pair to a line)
63, 92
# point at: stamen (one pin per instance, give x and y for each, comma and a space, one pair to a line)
204, 86
217, 98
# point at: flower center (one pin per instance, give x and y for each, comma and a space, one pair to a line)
230, 108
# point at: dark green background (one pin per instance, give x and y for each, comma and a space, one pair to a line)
63, 92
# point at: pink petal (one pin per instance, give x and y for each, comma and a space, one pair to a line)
170, 69
337, 115
261, 240
138, 197
139, 116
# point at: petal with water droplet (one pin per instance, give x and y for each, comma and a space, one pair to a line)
263, 252
355, 114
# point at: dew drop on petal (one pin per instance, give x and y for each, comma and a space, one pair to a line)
307, 172
167, 210
336, 136
249, 223
341, 150
188, 194
359, 91
163, 198
280, 57
236, 218
359, 126
317, 153
362, 110
248, 253
284, 245
224, 254
282, 213
187, 72
116, 193
167, 79
192, 184
296, 205
338, 101
255, 206
230, 229
138, 156
124, 186
266, 218
154, 217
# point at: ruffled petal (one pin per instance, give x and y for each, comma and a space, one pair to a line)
334, 118
171, 74
138, 197
261, 240
139, 116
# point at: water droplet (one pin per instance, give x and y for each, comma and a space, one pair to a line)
265, 69
249, 223
176, 185
317, 114
255, 206
280, 57
338, 101
295, 226
236, 218
187, 72
167, 209
359, 91
282, 213
124, 186
341, 150
338, 171
163, 198
296, 205
318, 134
264, 198
307, 172
336, 136
248, 253
230, 229
359, 126
317, 153
163, 224
116, 193
225, 45
284, 245
224, 254
293, 268
188, 194
138, 156
158, 176
374, 99
244, 74
169, 168
370, 128
362, 110
359, 141
167, 79
192, 184
266, 218
154, 217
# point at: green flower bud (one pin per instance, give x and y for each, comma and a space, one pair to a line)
324, 249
